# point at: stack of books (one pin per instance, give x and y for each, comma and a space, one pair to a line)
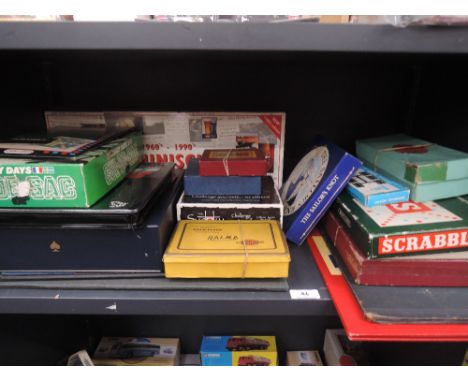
87, 207
227, 228
230, 185
404, 219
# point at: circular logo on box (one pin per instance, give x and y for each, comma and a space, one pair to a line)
304, 179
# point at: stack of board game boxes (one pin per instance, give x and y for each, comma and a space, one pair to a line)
72, 207
230, 220
404, 219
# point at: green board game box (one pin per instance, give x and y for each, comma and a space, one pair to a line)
413, 160
29, 183
407, 228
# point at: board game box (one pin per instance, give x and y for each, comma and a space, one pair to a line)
70, 252
29, 183
198, 185
125, 206
373, 189
267, 206
234, 162
227, 249
405, 228
313, 185
445, 269
179, 136
414, 160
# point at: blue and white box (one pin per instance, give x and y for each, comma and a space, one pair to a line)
313, 185
197, 185
373, 189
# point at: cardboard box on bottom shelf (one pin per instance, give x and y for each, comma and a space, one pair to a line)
340, 351
25, 183
304, 358
227, 249
138, 351
239, 351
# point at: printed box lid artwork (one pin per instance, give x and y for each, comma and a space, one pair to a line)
178, 137
313, 185
373, 189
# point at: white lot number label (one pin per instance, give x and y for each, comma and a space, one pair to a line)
304, 294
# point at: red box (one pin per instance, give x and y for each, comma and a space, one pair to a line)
235, 162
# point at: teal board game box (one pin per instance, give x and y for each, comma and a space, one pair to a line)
413, 160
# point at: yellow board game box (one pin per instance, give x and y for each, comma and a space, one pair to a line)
227, 249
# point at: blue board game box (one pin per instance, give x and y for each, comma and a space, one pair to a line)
197, 185
313, 185
373, 189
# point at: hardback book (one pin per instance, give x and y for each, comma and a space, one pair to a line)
267, 206
414, 160
445, 269
313, 186
234, 162
125, 206
373, 189
198, 185
70, 252
406, 228
28, 183
227, 249
427, 191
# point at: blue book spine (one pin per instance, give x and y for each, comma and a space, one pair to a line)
322, 198
223, 185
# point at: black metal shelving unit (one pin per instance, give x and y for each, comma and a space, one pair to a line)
303, 275
343, 81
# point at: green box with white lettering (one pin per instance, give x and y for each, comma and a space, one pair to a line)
29, 183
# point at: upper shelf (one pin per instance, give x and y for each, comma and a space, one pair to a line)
303, 275
282, 37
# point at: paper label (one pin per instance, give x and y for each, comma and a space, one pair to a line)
409, 213
304, 294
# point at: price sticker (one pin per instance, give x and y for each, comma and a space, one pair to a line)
304, 294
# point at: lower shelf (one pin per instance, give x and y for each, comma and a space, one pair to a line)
304, 275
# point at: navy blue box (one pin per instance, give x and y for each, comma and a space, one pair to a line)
313, 185
197, 185
77, 251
